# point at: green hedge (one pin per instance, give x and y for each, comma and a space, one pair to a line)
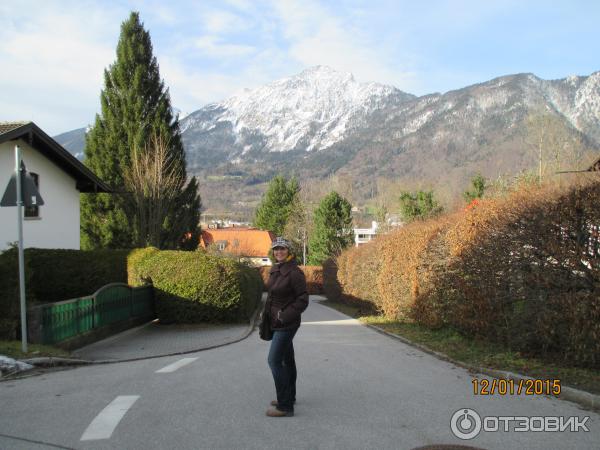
194, 287
53, 275
190, 286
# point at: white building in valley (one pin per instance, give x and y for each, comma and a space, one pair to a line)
364, 235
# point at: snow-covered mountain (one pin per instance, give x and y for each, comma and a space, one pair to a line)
321, 122
310, 111
324, 111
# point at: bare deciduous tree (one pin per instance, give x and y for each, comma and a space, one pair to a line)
154, 181
555, 147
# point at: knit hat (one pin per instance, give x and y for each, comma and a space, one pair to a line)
280, 242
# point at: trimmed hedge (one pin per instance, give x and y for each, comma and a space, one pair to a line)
190, 286
523, 270
313, 274
54, 275
194, 287
314, 279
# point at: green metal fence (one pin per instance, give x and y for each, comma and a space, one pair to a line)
113, 303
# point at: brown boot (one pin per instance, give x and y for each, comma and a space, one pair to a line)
274, 412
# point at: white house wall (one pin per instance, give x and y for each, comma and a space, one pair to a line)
58, 223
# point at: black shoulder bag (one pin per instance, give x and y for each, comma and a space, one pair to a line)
264, 327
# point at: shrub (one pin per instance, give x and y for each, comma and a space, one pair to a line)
263, 272
390, 271
314, 278
331, 285
313, 274
193, 287
357, 273
523, 270
53, 275
137, 261
527, 272
9, 294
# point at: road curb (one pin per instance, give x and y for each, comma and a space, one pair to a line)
582, 398
57, 362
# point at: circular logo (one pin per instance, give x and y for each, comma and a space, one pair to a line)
465, 424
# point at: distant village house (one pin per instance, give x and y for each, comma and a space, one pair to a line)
249, 244
364, 235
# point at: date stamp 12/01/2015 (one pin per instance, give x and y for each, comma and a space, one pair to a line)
528, 386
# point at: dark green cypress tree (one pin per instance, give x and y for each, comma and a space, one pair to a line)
332, 228
135, 106
276, 205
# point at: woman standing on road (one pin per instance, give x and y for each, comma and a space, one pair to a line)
289, 298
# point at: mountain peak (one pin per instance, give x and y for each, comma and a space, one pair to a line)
311, 110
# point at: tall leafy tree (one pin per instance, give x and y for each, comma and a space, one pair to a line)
276, 205
135, 108
420, 205
332, 228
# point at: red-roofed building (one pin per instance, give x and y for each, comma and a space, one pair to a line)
247, 243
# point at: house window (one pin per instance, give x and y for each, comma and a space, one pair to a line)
33, 212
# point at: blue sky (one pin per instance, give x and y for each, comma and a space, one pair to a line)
53, 53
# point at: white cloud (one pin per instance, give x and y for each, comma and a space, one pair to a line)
53, 52
193, 89
243, 5
190, 90
212, 46
163, 13
317, 36
217, 21
52, 64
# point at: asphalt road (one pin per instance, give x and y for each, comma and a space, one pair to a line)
357, 389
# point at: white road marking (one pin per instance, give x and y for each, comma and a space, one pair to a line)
176, 365
103, 426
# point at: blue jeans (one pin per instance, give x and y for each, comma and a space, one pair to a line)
283, 367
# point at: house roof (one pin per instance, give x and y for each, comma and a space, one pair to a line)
239, 241
86, 180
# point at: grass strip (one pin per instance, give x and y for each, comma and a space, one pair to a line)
12, 349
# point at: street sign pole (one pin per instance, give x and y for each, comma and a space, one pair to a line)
21, 254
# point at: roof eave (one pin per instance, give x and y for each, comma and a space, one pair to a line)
87, 181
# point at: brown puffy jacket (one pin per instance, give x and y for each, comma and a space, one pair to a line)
288, 295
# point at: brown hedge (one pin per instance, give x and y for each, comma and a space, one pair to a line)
525, 271
388, 272
522, 270
314, 277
